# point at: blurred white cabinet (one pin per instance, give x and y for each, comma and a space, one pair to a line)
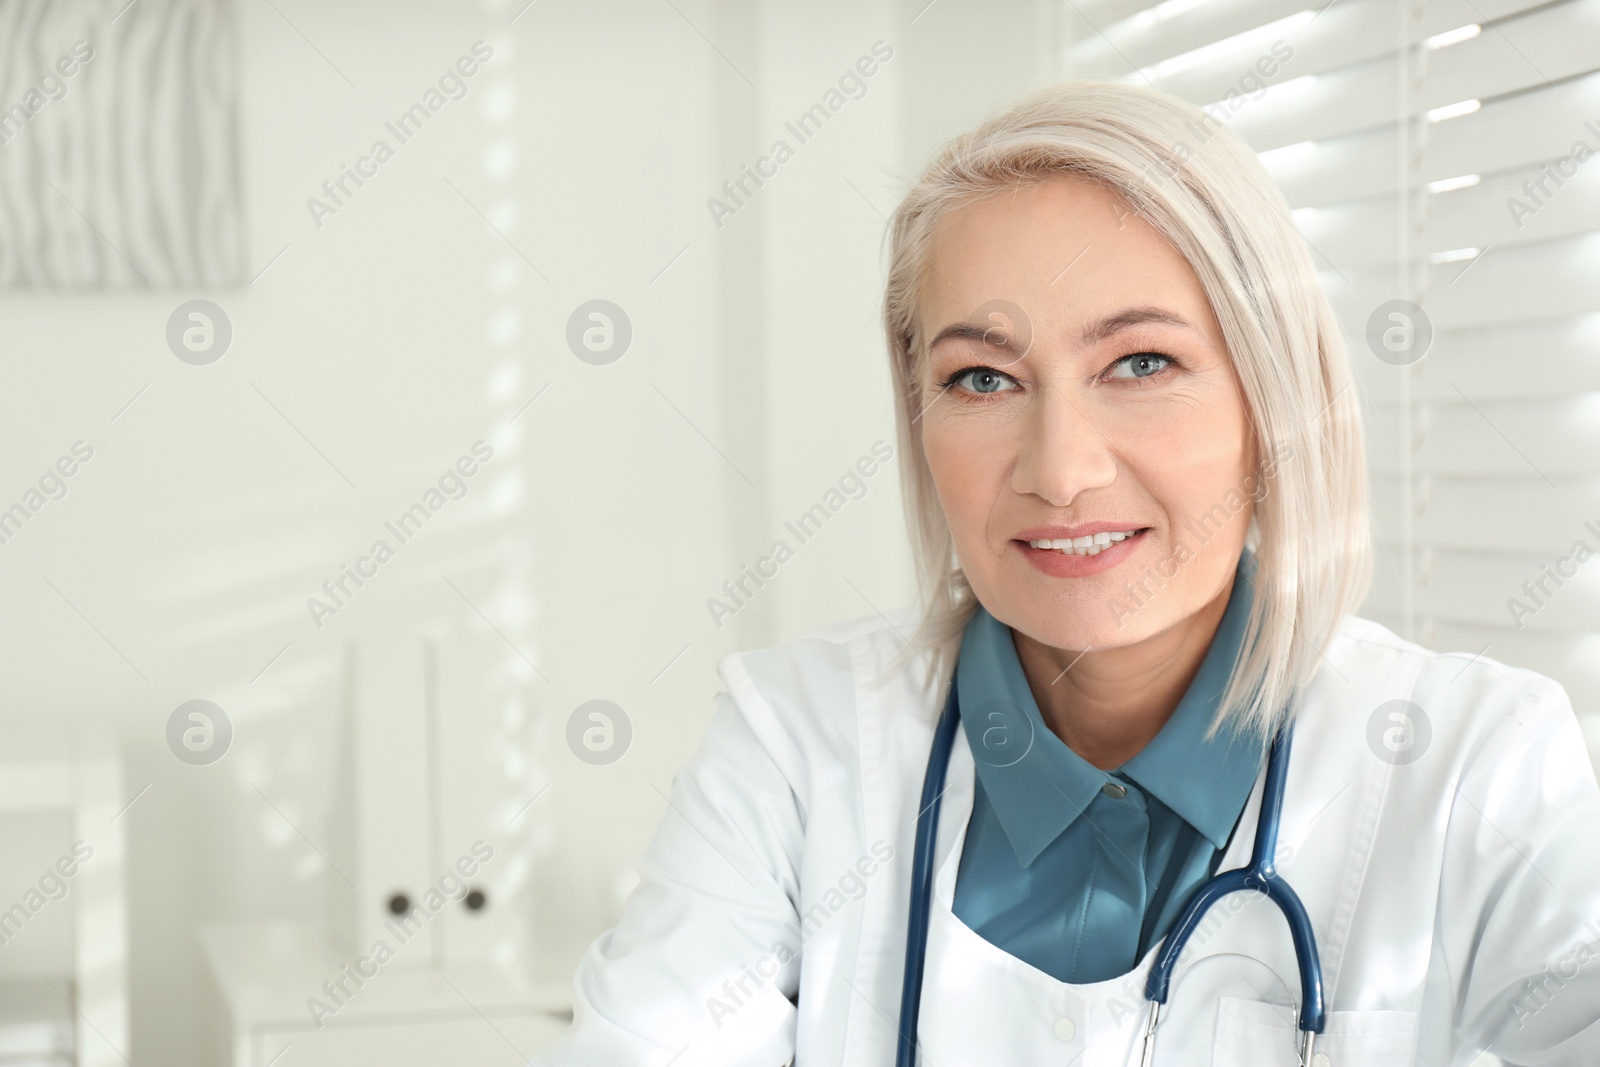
434, 764
422, 956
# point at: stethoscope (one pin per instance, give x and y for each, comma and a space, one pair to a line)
1260, 875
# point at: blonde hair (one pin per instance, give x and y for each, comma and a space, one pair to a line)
1202, 187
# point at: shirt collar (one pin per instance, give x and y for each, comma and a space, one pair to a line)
1206, 782
1038, 786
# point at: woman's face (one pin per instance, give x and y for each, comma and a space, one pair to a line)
1077, 384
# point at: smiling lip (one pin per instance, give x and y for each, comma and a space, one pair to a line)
1067, 565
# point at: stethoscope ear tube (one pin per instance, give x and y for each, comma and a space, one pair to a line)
944, 737
1260, 876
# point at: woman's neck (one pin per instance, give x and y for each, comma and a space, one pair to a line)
1107, 704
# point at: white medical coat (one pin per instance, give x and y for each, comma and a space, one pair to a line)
1455, 898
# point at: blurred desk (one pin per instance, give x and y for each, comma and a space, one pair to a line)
36, 1025
63, 907
266, 976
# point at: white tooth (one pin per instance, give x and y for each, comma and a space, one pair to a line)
1116, 536
1102, 539
1082, 542
1061, 543
1093, 550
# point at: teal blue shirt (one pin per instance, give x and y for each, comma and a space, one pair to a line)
1075, 870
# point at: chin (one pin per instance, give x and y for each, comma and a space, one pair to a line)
1076, 623
1090, 633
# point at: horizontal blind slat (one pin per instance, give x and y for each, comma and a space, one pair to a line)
1557, 440
1543, 359
1499, 589
1514, 211
1544, 281
1527, 516
1334, 35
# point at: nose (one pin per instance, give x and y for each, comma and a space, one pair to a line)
1061, 452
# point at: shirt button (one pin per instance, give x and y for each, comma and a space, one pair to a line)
1321, 1060
1114, 790
1066, 1029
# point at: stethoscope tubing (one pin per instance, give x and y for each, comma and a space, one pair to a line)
1261, 875
944, 738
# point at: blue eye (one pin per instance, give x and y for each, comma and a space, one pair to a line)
1141, 365
985, 381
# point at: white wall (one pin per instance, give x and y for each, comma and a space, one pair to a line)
379, 346
393, 337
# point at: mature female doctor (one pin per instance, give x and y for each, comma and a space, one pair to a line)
1133, 463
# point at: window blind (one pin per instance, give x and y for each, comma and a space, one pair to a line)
1442, 154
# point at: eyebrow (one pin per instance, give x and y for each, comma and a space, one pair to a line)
1093, 334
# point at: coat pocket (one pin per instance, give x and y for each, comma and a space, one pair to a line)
1254, 1033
